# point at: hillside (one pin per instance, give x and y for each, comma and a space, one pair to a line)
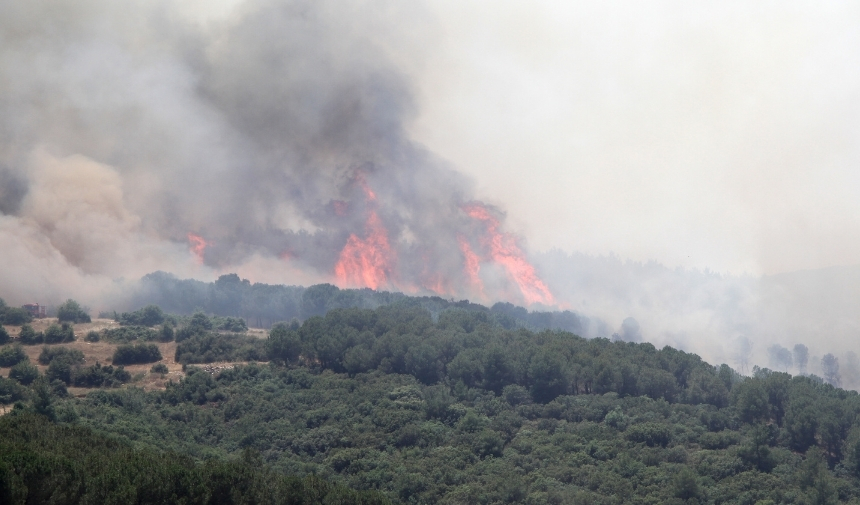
459, 407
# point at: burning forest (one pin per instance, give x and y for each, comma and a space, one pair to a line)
272, 144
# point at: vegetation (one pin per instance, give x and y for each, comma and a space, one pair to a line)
136, 354
29, 336
126, 334
13, 316
56, 334
42, 462
11, 355
461, 405
71, 312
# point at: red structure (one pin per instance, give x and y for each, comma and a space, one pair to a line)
36, 310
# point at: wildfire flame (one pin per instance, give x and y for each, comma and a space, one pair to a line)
197, 246
366, 262
503, 249
471, 265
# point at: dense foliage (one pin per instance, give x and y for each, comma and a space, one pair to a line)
41, 462
14, 316
136, 354
466, 405
265, 304
72, 312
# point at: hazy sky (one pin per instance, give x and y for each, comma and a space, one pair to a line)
719, 135
702, 134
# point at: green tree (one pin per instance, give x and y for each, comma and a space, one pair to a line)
72, 312
28, 335
24, 372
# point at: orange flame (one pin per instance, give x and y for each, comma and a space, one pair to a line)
471, 265
505, 251
197, 246
366, 262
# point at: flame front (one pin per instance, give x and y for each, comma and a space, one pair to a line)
197, 246
471, 265
503, 249
366, 262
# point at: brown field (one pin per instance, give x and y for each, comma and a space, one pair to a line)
102, 352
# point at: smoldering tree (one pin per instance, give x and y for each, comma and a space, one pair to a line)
743, 348
850, 370
780, 357
801, 358
830, 370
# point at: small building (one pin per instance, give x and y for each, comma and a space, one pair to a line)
36, 310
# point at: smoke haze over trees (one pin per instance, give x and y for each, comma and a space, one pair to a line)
276, 143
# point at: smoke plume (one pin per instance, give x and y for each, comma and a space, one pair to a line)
272, 144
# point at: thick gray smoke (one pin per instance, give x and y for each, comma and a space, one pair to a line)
124, 128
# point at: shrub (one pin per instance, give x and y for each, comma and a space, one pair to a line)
12, 355
127, 334
166, 333
29, 336
15, 316
56, 334
4, 336
72, 312
210, 348
10, 391
24, 372
136, 354
100, 376
159, 368
150, 315
49, 354
92, 336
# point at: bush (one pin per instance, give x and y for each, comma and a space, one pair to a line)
56, 334
100, 376
92, 336
159, 368
15, 316
24, 372
283, 344
72, 312
10, 391
28, 336
12, 355
210, 348
49, 354
127, 334
136, 354
150, 315
166, 333
4, 336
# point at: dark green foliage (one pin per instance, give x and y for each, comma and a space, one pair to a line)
151, 315
463, 409
13, 316
4, 336
92, 336
24, 372
10, 391
41, 462
100, 376
70, 311
166, 333
159, 368
56, 334
126, 334
11, 355
28, 336
136, 354
50, 354
212, 347
284, 344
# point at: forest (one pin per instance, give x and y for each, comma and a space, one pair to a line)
452, 403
